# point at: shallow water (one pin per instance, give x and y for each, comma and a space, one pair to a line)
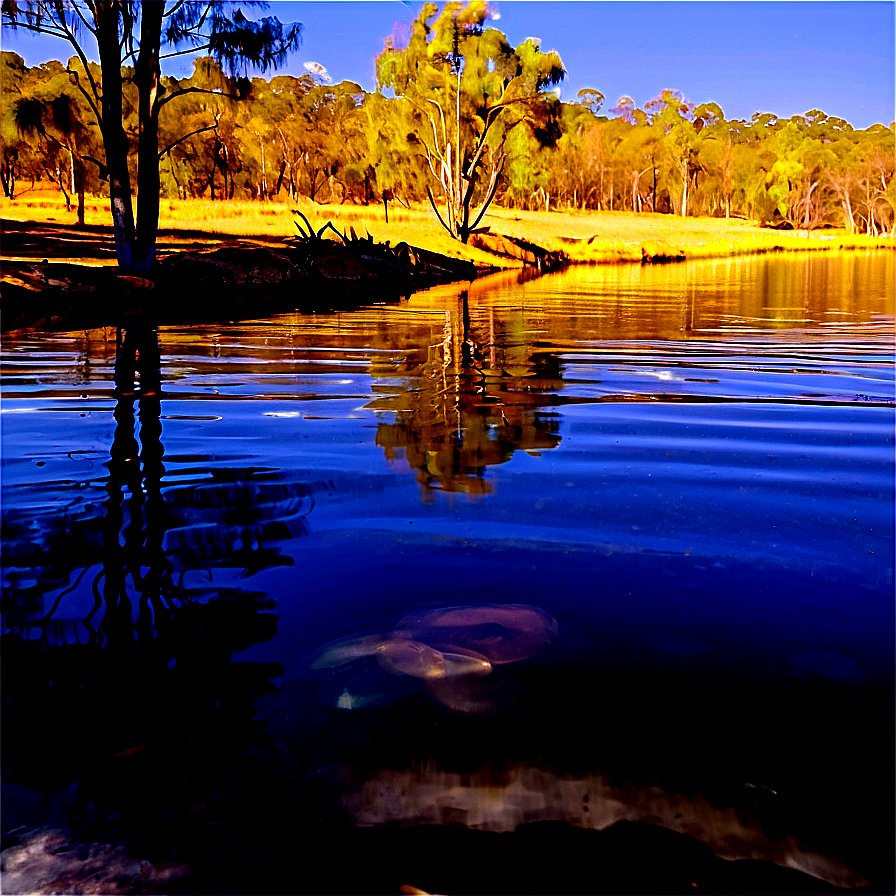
680, 476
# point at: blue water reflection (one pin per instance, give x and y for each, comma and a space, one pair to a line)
688, 471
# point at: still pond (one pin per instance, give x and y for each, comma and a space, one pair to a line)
579, 583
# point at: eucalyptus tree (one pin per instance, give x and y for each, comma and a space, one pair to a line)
574, 166
13, 75
677, 125
129, 33
467, 89
877, 187
797, 173
328, 135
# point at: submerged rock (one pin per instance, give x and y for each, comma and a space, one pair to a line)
47, 861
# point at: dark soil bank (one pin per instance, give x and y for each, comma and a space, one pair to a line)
311, 275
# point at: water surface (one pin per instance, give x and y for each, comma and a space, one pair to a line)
661, 496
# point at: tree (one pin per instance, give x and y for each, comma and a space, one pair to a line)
129, 32
467, 89
50, 112
674, 117
12, 76
392, 147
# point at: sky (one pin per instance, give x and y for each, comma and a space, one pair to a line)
774, 56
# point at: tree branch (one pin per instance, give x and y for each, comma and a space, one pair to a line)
87, 96
175, 8
432, 202
171, 146
185, 90
185, 52
40, 29
80, 15
68, 35
490, 193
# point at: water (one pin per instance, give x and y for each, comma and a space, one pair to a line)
663, 497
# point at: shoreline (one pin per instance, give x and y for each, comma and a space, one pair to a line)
588, 236
72, 268
25, 242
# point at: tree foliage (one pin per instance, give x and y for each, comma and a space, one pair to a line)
460, 119
128, 38
465, 90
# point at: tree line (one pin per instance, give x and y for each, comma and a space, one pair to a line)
460, 118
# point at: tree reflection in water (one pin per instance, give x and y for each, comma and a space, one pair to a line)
471, 409
118, 680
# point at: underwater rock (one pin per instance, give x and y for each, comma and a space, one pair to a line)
427, 794
502, 633
347, 650
451, 651
47, 861
403, 657
473, 695
364, 686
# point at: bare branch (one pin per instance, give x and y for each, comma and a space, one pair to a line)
87, 25
87, 96
490, 193
184, 90
432, 202
211, 127
175, 8
442, 116
70, 37
42, 29
185, 52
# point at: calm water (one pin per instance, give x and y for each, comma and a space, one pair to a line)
661, 498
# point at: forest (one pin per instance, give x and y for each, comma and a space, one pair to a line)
459, 119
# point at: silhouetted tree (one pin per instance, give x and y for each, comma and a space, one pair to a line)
128, 32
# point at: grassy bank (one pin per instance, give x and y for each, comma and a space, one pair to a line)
588, 236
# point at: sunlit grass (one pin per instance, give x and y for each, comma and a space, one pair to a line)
588, 236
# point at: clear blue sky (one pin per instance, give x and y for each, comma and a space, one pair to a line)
782, 57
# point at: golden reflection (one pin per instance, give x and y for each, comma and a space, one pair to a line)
472, 406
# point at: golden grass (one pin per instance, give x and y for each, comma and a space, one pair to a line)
587, 236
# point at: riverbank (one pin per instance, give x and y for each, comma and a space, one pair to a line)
196, 279
226, 257
584, 236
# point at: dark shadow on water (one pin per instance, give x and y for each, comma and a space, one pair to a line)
123, 713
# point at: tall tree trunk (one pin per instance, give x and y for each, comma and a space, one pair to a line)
808, 205
147, 75
280, 178
77, 178
59, 179
115, 140
848, 216
181, 192
684, 189
8, 176
81, 198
